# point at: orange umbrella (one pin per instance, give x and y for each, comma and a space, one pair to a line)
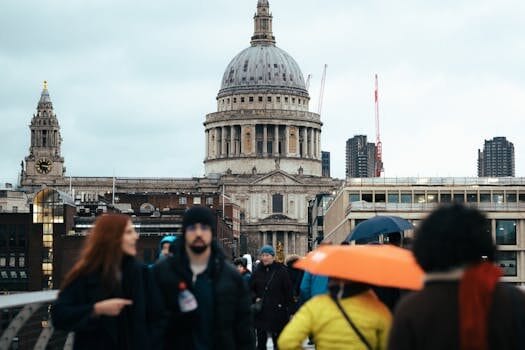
381, 265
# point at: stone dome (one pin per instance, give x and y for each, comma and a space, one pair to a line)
263, 68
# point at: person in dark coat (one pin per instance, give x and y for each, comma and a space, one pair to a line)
242, 266
463, 304
296, 276
271, 286
102, 298
207, 301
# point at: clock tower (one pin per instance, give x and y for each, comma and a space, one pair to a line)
44, 164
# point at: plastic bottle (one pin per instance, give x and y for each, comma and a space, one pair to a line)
187, 301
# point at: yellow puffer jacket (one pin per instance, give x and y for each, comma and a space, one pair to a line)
322, 318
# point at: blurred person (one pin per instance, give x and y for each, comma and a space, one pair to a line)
164, 247
272, 294
463, 304
242, 266
349, 317
296, 276
102, 298
388, 295
207, 302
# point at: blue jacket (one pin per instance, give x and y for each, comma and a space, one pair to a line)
166, 239
313, 285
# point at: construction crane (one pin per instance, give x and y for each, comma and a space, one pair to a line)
321, 93
379, 146
308, 81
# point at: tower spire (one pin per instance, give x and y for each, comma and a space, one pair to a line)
45, 100
262, 34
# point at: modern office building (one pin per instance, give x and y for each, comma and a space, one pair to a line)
502, 200
360, 157
497, 158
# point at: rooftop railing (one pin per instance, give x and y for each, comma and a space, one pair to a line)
436, 181
365, 206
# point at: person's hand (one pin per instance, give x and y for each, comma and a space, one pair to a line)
110, 307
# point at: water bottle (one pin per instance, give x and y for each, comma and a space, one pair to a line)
187, 301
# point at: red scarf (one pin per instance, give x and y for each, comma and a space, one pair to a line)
475, 299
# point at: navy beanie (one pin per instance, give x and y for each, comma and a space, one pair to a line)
268, 249
198, 215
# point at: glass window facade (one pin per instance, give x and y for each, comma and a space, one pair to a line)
379, 197
459, 198
406, 197
508, 261
484, 197
48, 209
506, 232
445, 197
354, 197
498, 198
393, 198
472, 197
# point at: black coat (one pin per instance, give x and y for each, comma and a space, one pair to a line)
278, 298
232, 321
73, 311
429, 319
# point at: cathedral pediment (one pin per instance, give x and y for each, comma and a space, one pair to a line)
277, 177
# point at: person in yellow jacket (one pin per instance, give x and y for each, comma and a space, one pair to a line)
366, 327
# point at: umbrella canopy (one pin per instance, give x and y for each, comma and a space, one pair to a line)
379, 225
380, 265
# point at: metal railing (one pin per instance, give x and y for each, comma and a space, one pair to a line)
25, 322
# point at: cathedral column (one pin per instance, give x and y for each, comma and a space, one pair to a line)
318, 144
242, 149
305, 142
217, 144
264, 238
265, 140
207, 144
232, 141
286, 248
254, 139
223, 141
311, 143
298, 142
274, 240
287, 140
276, 141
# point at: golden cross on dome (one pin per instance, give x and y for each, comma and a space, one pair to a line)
45, 84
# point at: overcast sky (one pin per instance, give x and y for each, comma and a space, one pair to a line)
131, 82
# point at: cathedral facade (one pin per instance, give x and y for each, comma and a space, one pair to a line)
263, 148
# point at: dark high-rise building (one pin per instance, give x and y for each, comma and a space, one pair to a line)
497, 158
360, 157
325, 158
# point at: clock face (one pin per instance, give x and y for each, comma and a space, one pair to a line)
43, 165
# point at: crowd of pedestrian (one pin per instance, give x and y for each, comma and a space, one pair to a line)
194, 297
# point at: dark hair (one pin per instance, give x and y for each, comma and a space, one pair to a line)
453, 236
241, 261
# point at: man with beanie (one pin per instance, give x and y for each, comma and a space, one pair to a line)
272, 292
207, 302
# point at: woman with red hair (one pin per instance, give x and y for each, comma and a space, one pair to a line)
102, 297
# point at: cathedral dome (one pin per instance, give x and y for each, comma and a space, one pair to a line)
263, 67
